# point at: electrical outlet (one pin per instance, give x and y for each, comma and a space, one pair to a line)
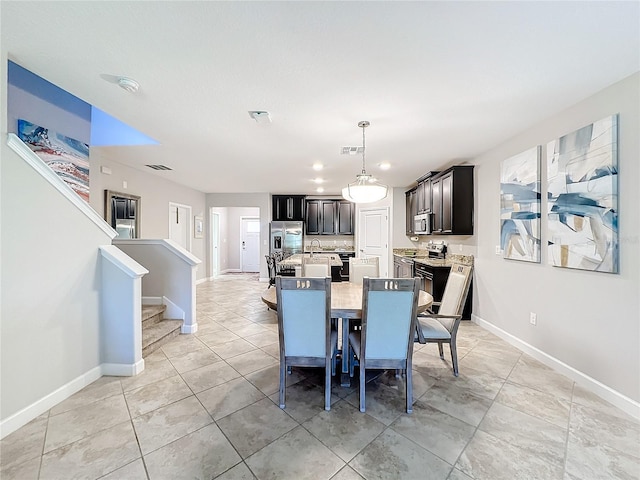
533, 318
498, 250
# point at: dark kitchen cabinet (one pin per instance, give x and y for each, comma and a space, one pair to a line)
329, 217
452, 201
288, 207
411, 208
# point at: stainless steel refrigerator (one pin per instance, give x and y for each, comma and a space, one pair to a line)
286, 237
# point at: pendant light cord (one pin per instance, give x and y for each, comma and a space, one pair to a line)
363, 150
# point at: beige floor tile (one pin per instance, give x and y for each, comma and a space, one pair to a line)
156, 395
209, 376
347, 473
251, 330
27, 470
489, 458
435, 431
344, 429
532, 434
25, 443
81, 422
458, 402
166, 424
458, 475
102, 388
93, 456
267, 380
182, 344
534, 402
192, 360
295, 455
203, 454
153, 372
481, 383
592, 460
263, 339
393, 456
229, 397
256, 426
239, 472
584, 397
498, 367
251, 361
219, 337
132, 471
531, 373
233, 348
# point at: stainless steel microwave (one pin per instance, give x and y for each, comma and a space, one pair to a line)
422, 224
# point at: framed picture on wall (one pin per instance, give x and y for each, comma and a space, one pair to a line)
198, 226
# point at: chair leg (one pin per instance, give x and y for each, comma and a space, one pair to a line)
440, 350
282, 383
409, 390
454, 358
362, 399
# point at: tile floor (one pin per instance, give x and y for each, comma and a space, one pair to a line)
205, 407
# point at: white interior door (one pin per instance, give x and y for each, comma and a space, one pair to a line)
215, 244
373, 236
250, 238
180, 225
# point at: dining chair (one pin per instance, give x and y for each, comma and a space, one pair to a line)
363, 267
305, 334
442, 327
389, 307
316, 267
271, 269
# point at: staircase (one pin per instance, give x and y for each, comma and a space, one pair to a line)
156, 330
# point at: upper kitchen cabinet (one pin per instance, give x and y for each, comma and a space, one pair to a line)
288, 208
423, 192
329, 217
452, 201
411, 208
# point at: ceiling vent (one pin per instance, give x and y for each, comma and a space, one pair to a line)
159, 167
352, 150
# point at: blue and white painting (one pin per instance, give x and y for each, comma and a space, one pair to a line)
67, 157
582, 172
520, 206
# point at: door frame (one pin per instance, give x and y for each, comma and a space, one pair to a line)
214, 253
189, 222
359, 234
249, 217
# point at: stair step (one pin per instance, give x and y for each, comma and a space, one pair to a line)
152, 313
157, 334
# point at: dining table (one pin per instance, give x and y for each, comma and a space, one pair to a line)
346, 304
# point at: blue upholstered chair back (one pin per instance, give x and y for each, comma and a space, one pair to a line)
389, 320
304, 319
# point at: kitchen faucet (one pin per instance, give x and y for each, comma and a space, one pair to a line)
311, 245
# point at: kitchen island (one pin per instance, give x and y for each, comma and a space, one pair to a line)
292, 265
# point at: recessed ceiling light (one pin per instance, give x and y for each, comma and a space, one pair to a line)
128, 84
318, 166
384, 166
318, 180
260, 116
319, 189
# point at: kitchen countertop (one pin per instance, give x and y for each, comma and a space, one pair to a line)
422, 256
296, 259
330, 250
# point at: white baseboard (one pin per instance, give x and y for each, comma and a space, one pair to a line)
232, 270
612, 396
193, 328
122, 369
37, 408
202, 280
173, 311
152, 300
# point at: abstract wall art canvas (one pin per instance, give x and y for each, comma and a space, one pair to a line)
67, 157
582, 171
520, 206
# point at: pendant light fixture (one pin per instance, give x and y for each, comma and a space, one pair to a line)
365, 189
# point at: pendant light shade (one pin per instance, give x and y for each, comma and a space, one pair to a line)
365, 189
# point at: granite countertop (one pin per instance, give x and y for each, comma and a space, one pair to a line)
422, 256
336, 249
296, 259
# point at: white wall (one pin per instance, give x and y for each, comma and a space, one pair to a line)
261, 201
155, 194
588, 320
50, 288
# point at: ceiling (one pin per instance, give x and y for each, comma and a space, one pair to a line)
440, 82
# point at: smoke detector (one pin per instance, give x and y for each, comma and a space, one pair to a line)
260, 116
128, 84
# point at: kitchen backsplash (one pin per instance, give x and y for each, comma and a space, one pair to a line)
330, 242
